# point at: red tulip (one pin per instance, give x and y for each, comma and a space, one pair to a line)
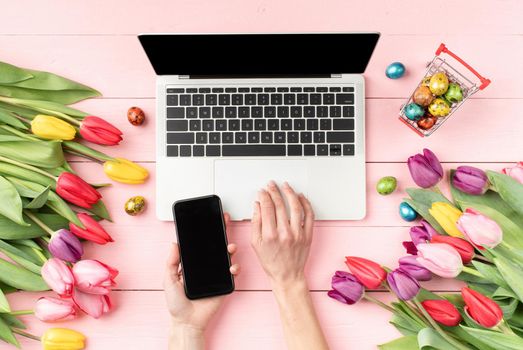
95, 305
369, 273
93, 231
464, 248
99, 131
75, 190
481, 309
442, 311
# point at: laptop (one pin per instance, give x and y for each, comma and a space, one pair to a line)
234, 111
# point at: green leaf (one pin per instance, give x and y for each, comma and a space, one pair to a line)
8, 118
44, 154
490, 273
512, 273
39, 200
21, 111
10, 230
509, 189
426, 197
47, 107
7, 335
460, 333
495, 339
429, 339
6, 248
423, 210
409, 342
4, 303
11, 74
13, 321
99, 209
26, 264
7, 289
27, 243
21, 278
10, 202
59, 96
84, 150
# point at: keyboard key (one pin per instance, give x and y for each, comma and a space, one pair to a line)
240, 137
224, 100
231, 90
344, 99
244, 112
322, 111
286, 124
247, 124
172, 100
257, 112
296, 111
294, 150
217, 112
254, 137
281, 89
312, 124
212, 151
185, 100
198, 151
348, 89
175, 112
205, 112
234, 125
177, 125
208, 125
269, 112
309, 112
211, 99
348, 150
192, 112
322, 150
230, 112
201, 137
269, 89
204, 90
250, 99
260, 124
335, 111
309, 150
217, 90
299, 124
266, 137
191, 90
348, 111
343, 124
335, 89
243, 90
185, 151
276, 99
305, 137
283, 112
319, 137
293, 137
322, 89
279, 137
325, 124
336, 136
214, 137
263, 99
180, 138
237, 99
295, 89
253, 150
302, 99
195, 125
335, 150
228, 137
197, 100
273, 124
315, 99
328, 99
175, 91
221, 125
257, 89
308, 89
289, 99
172, 151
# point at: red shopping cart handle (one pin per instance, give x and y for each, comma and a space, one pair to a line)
484, 81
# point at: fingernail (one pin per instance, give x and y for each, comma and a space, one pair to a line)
272, 184
286, 184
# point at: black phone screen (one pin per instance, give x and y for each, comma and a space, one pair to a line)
203, 247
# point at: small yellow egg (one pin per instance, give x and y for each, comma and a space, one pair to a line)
135, 205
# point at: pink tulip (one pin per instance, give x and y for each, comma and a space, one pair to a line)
95, 305
58, 277
440, 258
516, 172
53, 309
479, 229
94, 277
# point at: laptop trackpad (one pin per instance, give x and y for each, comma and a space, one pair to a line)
237, 182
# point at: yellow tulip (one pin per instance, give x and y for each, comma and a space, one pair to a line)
52, 128
125, 171
447, 215
62, 339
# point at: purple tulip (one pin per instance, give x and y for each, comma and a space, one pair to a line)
426, 170
346, 288
470, 180
66, 246
402, 284
410, 265
410, 247
423, 233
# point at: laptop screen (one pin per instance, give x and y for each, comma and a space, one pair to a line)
259, 55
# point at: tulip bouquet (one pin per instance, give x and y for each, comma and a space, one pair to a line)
477, 238
46, 208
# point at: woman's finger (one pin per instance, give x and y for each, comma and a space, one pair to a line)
173, 264
308, 220
232, 248
295, 207
227, 220
256, 226
282, 220
235, 269
268, 215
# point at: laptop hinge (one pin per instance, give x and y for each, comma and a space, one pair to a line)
336, 75
184, 77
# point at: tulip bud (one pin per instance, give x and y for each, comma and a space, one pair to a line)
426, 170
53, 309
94, 277
346, 288
403, 284
515, 172
75, 190
446, 215
370, 274
93, 231
64, 245
95, 305
62, 338
443, 312
58, 277
479, 229
464, 248
125, 171
440, 258
470, 180
410, 265
410, 247
52, 128
99, 131
485, 311
423, 233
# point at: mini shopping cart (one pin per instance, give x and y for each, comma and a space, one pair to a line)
468, 87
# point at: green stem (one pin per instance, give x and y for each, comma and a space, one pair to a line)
39, 222
505, 328
482, 258
21, 312
19, 133
436, 189
438, 329
28, 167
25, 334
86, 151
378, 302
473, 272
40, 255
411, 311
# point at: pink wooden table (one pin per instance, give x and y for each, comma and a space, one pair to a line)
95, 42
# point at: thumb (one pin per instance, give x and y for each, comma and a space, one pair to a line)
173, 263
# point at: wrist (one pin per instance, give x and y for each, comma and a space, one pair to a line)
293, 288
184, 336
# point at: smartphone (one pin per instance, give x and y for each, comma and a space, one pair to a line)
202, 239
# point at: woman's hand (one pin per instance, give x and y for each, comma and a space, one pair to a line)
190, 316
282, 241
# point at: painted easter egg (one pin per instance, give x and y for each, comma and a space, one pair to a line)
439, 83
414, 111
454, 93
395, 70
426, 81
427, 122
386, 185
407, 213
135, 205
422, 96
439, 108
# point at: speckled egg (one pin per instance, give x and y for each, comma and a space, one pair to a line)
439, 83
423, 96
386, 185
395, 70
135, 205
426, 81
407, 213
439, 108
427, 122
414, 111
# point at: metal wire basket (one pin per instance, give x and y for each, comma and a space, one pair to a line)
468, 87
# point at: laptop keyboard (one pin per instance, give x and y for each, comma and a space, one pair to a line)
256, 121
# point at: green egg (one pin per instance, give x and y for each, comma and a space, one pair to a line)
386, 185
